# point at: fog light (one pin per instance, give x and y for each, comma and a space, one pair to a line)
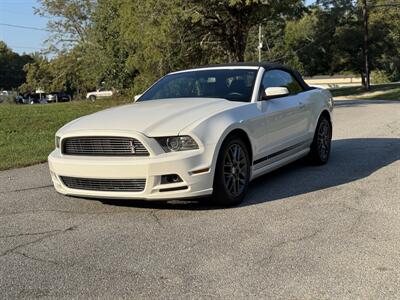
171, 178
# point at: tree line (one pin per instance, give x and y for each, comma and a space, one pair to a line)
128, 44
12, 73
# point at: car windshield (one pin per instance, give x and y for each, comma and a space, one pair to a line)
230, 84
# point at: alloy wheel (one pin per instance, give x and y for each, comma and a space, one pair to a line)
324, 140
235, 171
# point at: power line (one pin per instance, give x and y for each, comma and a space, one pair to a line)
22, 14
24, 47
25, 27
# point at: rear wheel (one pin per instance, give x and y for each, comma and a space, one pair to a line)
321, 145
232, 174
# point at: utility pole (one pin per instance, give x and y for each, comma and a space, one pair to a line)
366, 43
260, 44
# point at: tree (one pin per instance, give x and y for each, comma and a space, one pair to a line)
384, 21
69, 21
158, 39
12, 73
70, 30
128, 44
140, 41
37, 74
307, 44
228, 23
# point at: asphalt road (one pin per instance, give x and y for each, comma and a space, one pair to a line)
304, 232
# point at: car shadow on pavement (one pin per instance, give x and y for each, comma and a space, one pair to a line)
351, 160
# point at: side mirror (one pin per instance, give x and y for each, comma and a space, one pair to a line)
137, 97
275, 92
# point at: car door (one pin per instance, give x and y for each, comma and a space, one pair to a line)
285, 117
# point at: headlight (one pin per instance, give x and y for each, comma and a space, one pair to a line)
177, 143
58, 139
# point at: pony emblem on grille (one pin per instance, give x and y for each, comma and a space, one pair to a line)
132, 146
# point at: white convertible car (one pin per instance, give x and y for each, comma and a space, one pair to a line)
199, 132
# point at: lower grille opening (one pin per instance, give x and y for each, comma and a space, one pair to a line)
181, 188
104, 185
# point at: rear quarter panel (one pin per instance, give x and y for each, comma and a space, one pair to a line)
321, 100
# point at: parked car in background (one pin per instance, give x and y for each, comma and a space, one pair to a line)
20, 99
36, 98
100, 93
58, 97
3, 95
212, 130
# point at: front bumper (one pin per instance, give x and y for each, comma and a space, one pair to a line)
150, 168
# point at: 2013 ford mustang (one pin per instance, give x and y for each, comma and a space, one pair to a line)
205, 131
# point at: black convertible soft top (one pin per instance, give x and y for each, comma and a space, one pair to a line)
267, 66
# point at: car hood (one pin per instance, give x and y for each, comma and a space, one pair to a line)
152, 118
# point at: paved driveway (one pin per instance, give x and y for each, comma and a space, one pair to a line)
303, 232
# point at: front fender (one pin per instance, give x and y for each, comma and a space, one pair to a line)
213, 130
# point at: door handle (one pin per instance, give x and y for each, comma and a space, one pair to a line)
301, 105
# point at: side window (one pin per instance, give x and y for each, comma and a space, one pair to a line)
279, 78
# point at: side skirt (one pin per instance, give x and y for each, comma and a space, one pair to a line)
278, 159
279, 163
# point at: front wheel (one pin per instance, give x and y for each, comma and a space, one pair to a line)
92, 98
321, 145
232, 174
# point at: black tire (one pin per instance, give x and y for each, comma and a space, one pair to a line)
321, 145
92, 98
232, 173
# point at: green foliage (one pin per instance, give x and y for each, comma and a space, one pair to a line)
379, 77
227, 24
386, 21
37, 74
69, 21
12, 73
128, 44
329, 39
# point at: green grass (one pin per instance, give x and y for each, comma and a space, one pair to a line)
27, 131
377, 92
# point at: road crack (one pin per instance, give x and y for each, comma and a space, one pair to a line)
37, 258
156, 218
273, 248
27, 189
28, 234
38, 240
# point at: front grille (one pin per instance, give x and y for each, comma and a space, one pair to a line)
105, 185
103, 146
